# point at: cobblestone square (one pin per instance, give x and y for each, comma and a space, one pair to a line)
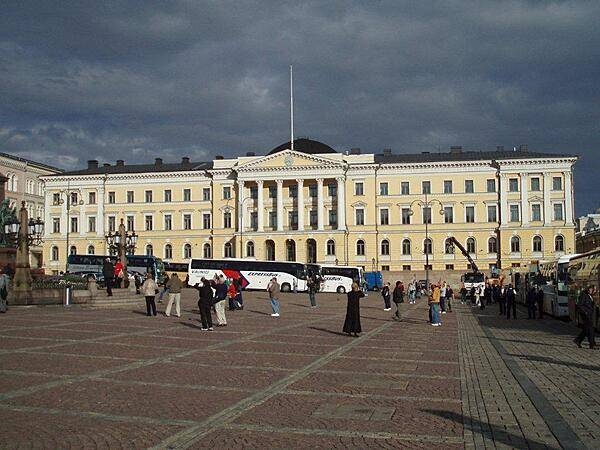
115, 378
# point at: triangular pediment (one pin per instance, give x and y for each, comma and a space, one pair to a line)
289, 160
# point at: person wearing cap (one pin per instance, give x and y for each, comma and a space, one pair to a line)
149, 289
273, 289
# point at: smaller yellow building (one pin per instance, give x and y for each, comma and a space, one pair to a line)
381, 211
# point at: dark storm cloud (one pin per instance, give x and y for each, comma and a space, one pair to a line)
201, 78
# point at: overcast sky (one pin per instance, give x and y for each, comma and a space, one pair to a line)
136, 80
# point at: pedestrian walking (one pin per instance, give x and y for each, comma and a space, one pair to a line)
165, 288
531, 302
238, 301
585, 310
231, 294
449, 297
412, 291
386, 294
220, 288
108, 271
398, 297
463, 294
511, 302
273, 289
205, 301
434, 305
175, 285
540, 302
312, 287
352, 321
4, 286
502, 300
119, 275
443, 298
149, 289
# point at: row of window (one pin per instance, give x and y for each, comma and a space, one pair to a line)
448, 186
31, 185
360, 247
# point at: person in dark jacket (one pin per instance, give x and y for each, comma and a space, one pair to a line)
398, 297
352, 322
540, 302
205, 299
108, 271
386, 294
531, 302
585, 309
511, 302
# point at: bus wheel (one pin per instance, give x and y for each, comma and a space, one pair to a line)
285, 287
341, 290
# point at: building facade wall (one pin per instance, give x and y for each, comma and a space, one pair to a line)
327, 208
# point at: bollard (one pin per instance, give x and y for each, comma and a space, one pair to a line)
67, 301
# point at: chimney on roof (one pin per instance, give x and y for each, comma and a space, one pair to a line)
387, 151
92, 163
499, 148
185, 161
250, 154
158, 161
523, 147
106, 164
455, 149
219, 157
355, 151
120, 163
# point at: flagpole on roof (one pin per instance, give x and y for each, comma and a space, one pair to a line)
292, 107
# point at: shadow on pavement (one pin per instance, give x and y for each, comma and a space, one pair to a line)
555, 361
325, 330
499, 434
190, 325
259, 312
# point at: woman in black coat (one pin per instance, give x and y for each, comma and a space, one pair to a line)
352, 322
205, 301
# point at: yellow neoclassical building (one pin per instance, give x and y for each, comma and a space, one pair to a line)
311, 203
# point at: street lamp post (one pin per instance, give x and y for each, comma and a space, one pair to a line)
23, 232
426, 204
122, 243
68, 200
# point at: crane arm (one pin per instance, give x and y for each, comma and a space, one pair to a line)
465, 254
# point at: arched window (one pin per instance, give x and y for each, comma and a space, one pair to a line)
385, 247
330, 247
149, 250
73, 250
54, 255
250, 249
406, 247
559, 243
187, 251
492, 245
515, 244
206, 251
427, 246
537, 243
290, 250
270, 250
91, 250
168, 251
360, 247
471, 245
227, 250
449, 247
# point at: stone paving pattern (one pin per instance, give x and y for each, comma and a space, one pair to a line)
115, 378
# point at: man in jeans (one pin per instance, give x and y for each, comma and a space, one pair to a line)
174, 285
273, 289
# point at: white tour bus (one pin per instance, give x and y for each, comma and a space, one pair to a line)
251, 274
135, 263
340, 278
553, 278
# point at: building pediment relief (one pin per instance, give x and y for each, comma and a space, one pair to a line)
290, 161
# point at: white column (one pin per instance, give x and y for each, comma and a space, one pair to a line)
47, 221
300, 204
240, 206
260, 210
547, 206
82, 224
503, 199
100, 212
64, 218
279, 205
341, 205
320, 205
524, 202
568, 198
